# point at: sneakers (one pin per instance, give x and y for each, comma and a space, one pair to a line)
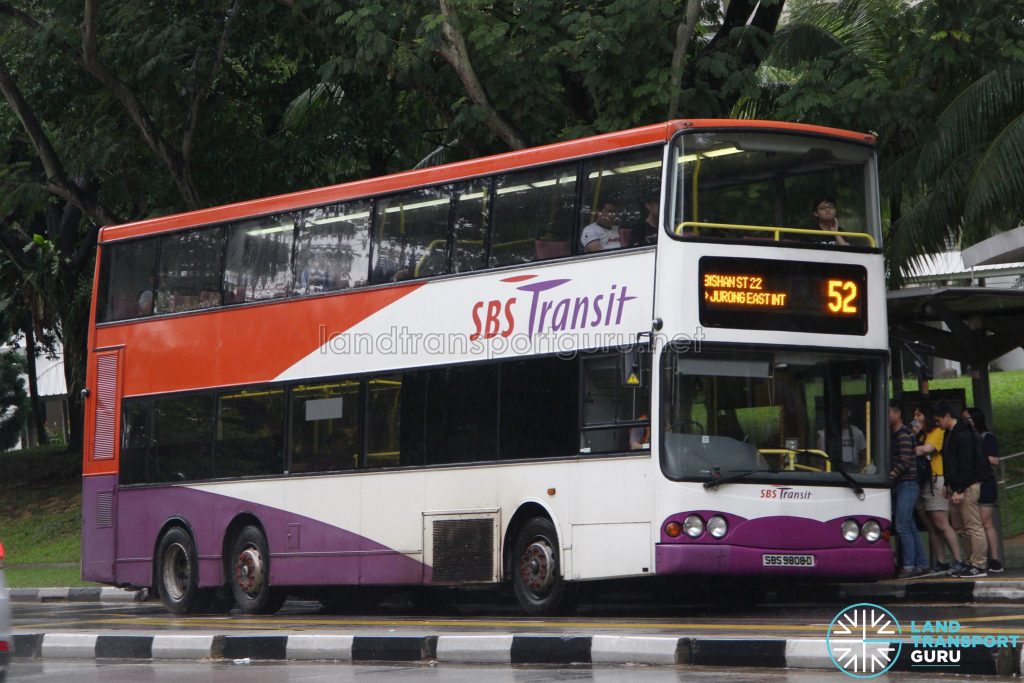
913, 572
941, 567
970, 573
957, 567
995, 567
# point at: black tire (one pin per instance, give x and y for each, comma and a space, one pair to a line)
250, 574
537, 570
177, 573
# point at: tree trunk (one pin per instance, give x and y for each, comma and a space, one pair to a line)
684, 32
38, 421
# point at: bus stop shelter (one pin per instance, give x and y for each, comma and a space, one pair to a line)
972, 325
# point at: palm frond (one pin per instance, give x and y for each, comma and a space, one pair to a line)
995, 190
301, 109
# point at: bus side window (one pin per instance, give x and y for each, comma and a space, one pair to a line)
332, 249
631, 182
533, 217
325, 434
469, 229
616, 416
250, 433
258, 262
189, 274
410, 235
126, 280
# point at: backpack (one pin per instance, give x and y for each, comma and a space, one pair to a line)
924, 469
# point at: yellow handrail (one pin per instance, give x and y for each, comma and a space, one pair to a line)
791, 458
778, 231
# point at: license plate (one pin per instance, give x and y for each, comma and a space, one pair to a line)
787, 560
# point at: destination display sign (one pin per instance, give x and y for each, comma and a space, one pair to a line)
793, 296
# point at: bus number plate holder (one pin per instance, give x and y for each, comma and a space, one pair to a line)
777, 560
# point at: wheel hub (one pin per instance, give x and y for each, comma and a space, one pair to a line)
177, 571
535, 566
249, 571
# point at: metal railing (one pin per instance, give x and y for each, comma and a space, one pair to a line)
1009, 481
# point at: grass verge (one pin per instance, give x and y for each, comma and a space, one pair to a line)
40, 517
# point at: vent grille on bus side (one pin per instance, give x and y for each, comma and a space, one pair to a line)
463, 550
104, 509
106, 400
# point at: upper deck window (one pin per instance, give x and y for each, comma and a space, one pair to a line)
189, 271
738, 185
621, 196
126, 281
258, 262
411, 235
333, 250
533, 217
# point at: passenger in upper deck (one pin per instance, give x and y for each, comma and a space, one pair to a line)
644, 231
826, 215
603, 233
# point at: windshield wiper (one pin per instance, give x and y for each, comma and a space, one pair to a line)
714, 483
837, 466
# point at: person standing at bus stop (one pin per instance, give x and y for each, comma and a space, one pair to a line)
989, 493
965, 468
934, 507
906, 489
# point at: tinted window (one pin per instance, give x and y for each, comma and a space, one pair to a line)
411, 235
534, 215
630, 183
258, 261
325, 427
539, 399
182, 439
462, 414
250, 434
137, 466
126, 280
333, 250
394, 421
470, 227
189, 271
616, 417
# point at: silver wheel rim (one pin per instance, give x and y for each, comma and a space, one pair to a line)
177, 571
536, 567
249, 571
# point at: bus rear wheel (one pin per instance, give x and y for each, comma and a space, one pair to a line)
250, 574
177, 573
536, 569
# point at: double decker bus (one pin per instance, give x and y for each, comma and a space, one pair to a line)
630, 355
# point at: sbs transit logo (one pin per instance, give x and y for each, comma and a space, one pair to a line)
862, 640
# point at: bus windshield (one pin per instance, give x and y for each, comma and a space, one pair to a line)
728, 184
789, 414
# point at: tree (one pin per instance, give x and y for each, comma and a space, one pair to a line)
942, 83
12, 399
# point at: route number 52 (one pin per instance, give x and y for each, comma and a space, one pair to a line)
841, 296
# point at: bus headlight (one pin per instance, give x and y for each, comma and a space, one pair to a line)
717, 526
693, 525
872, 531
851, 530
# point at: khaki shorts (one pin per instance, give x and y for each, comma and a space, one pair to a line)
932, 498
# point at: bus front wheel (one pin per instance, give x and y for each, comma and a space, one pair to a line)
178, 572
537, 571
250, 574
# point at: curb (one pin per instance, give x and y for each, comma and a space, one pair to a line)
106, 594
794, 653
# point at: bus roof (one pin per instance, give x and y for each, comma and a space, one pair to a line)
461, 170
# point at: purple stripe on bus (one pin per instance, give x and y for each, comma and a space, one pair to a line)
778, 532
315, 553
729, 560
99, 508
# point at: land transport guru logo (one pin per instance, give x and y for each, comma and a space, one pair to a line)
862, 640
865, 641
